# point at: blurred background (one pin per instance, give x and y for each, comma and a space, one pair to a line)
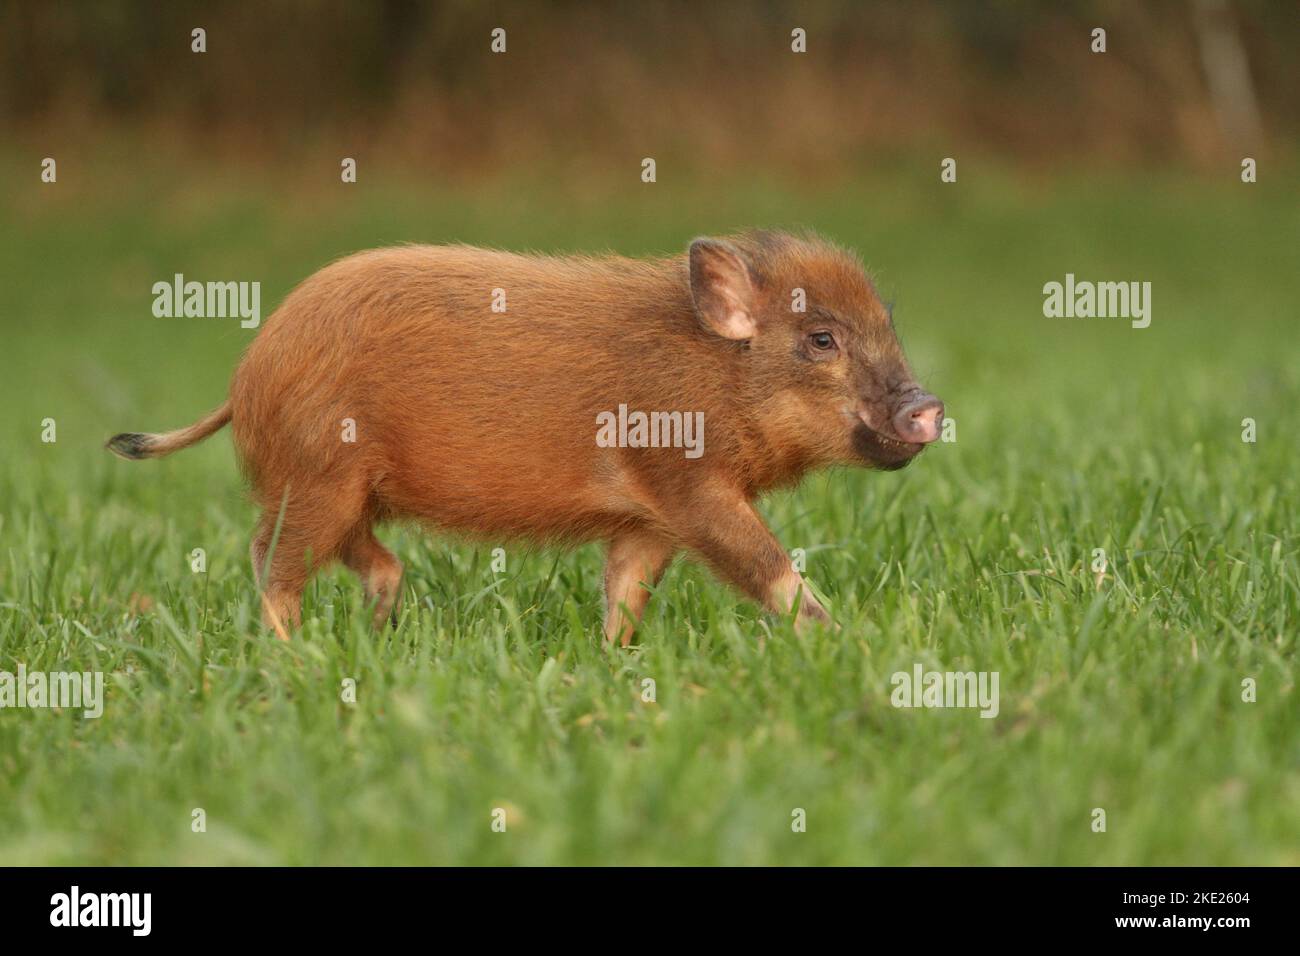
710, 86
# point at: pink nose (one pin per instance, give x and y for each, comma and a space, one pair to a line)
920, 419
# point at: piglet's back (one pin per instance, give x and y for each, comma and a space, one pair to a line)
446, 393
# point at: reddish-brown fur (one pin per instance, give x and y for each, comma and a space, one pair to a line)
484, 422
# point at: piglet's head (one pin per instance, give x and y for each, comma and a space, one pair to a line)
822, 371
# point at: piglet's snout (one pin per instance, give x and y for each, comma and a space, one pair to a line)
919, 419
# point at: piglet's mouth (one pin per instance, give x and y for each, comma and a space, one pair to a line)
882, 450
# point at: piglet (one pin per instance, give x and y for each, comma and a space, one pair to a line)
644, 403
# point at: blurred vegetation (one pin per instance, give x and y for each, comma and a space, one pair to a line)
714, 83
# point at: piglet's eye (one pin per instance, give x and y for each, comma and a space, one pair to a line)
822, 341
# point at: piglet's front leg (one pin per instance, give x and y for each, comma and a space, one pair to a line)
727, 532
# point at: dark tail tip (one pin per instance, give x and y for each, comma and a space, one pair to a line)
130, 445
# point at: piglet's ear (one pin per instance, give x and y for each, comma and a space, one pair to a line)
723, 289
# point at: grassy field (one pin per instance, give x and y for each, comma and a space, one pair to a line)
1120, 691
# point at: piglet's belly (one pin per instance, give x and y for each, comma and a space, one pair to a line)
486, 492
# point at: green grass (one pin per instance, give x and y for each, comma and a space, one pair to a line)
1122, 692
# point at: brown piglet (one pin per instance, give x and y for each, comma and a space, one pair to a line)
644, 403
